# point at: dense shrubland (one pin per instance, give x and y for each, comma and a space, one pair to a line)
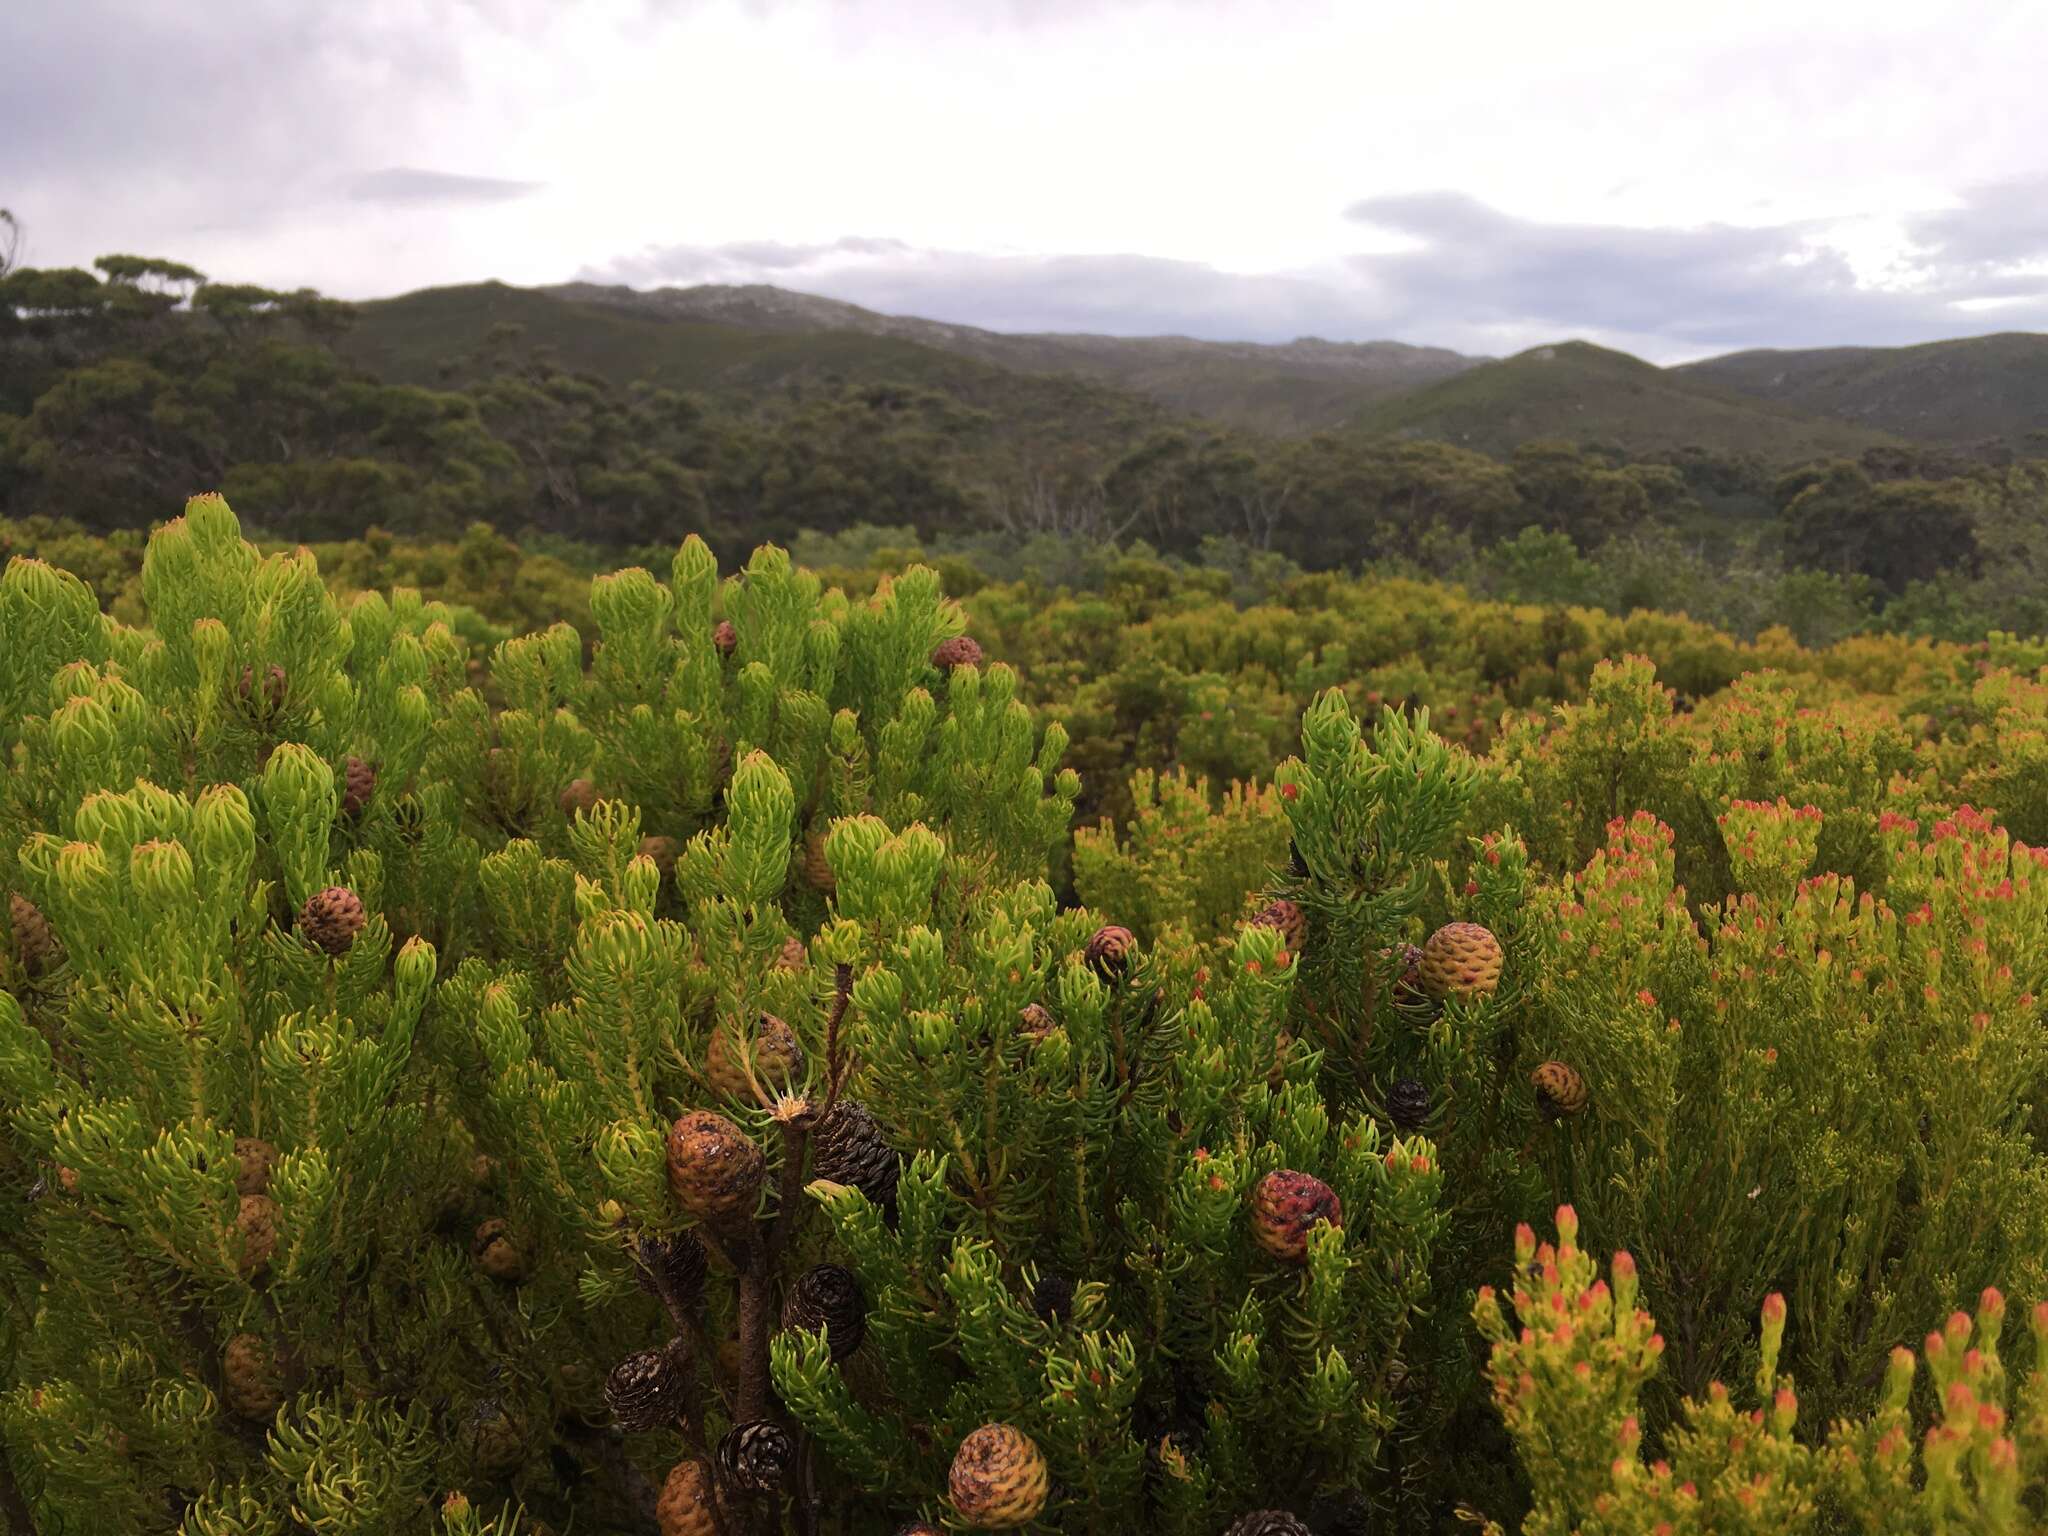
779, 1052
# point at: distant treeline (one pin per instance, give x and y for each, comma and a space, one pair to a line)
125, 388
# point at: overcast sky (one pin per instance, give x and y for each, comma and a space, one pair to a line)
1484, 176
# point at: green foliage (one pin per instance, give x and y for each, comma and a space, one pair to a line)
394, 1040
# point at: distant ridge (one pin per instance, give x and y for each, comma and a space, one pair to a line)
1286, 387
1579, 392
1770, 408
1967, 391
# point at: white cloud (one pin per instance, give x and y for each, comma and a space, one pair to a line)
1183, 164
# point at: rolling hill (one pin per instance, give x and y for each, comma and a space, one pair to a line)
1587, 394
1969, 391
1769, 407
1297, 386
422, 338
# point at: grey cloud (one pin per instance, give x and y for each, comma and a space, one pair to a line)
1475, 278
2000, 224
1715, 286
403, 184
1114, 294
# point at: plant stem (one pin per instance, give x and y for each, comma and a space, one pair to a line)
20, 1521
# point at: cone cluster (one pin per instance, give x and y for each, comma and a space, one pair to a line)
1289, 919
999, 1478
1408, 1104
1269, 1522
1286, 1207
678, 1262
332, 918
251, 1381
774, 1055
270, 696
714, 1168
960, 651
817, 870
848, 1148
1560, 1090
34, 939
256, 1226
649, 1389
756, 1457
1109, 953
1461, 960
1053, 1299
254, 1159
358, 783
662, 850
686, 1506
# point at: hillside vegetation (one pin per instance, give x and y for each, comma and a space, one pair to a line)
1982, 388
616, 420
1297, 386
1582, 393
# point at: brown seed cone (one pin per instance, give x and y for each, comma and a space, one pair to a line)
678, 1262
1109, 953
794, 957
999, 1478
253, 1161
817, 869
960, 651
1559, 1089
1286, 1206
1035, 1021
497, 1253
714, 1168
1269, 1522
848, 1148
1289, 919
827, 1296
251, 1381
256, 1225
577, 799
775, 1056
663, 851
650, 1389
1408, 1104
1461, 960
272, 694
332, 918
34, 940
725, 637
358, 783
685, 1507
756, 1457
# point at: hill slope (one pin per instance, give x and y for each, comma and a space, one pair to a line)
1294, 387
1587, 394
420, 337
1950, 391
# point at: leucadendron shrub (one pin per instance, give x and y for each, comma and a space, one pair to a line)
655, 1076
